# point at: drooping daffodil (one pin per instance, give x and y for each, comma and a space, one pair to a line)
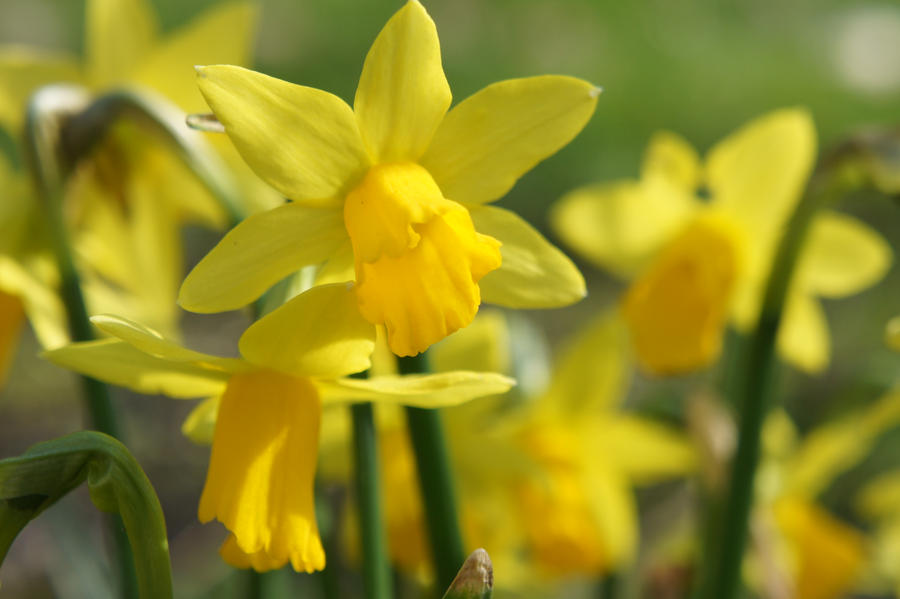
264, 410
698, 239
391, 193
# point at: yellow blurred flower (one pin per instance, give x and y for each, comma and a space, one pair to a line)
263, 410
699, 262
545, 484
391, 192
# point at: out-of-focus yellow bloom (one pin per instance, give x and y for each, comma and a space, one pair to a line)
698, 262
878, 502
892, 333
391, 192
264, 410
126, 203
822, 556
555, 497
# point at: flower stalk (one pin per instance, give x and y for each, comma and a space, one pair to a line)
376, 565
435, 481
754, 394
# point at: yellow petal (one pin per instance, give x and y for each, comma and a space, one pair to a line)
318, 333
880, 497
533, 273
592, 371
339, 268
259, 252
22, 71
492, 138
45, 310
615, 511
483, 345
646, 451
121, 364
677, 310
201, 422
423, 391
759, 172
403, 93
152, 343
119, 35
304, 142
259, 561
12, 317
803, 339
842, 256
221, 35
262, 468
670, 159
829, 553
432, 290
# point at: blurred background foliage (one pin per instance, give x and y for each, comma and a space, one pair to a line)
697, 67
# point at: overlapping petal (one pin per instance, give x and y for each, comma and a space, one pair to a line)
758, 173
260, 251
842, 256
304, 142
403, 93
423, 391
318, 333
803, 338
533, 273
495, 136
120, 363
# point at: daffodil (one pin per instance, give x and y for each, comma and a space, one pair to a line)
819, 555
391, 193
126, 202
263, 410
555, 498
698, 239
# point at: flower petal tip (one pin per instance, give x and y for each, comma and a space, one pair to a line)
596, 91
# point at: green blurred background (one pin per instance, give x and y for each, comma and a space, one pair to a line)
700, 68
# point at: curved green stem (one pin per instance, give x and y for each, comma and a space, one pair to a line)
754, 395
376, 565
426, 432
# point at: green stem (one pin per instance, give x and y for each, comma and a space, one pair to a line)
435, 482
754, 395
376, 565
46, 114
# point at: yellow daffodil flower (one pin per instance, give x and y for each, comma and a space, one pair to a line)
391, 192
821, 556
126, 203
555, 498
699, 262
264, 410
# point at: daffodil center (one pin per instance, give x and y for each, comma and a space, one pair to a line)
380, 212
677, 309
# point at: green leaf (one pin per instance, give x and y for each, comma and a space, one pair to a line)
475, 579
46, 472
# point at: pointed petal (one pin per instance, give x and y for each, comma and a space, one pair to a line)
670, 159
842, 256
759, 173
152, 343
423, 391
318, 333
483, 345
221, 35
259, 252
803, 339
201, 422
654, 452
592, 372
615, 511
403, 93
492, 138
262, 468
302, 141
120, 34
533, 273
22, 71
119, 363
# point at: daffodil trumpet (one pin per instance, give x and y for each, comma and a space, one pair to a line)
262, 411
